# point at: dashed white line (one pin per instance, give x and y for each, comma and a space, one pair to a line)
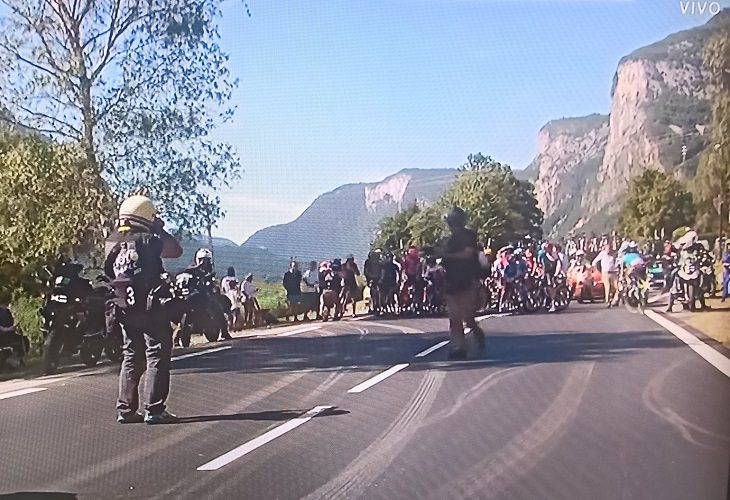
709, 354
274, 433
403, 329
21, 392
431, 349
377, 378
200, 353
299, 330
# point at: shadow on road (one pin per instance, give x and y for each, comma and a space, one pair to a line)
271, 415
354, 353
38, 495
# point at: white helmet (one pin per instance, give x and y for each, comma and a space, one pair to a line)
689, 239
137, 209
202, 254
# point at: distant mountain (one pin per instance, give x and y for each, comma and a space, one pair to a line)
263, 264
344, 221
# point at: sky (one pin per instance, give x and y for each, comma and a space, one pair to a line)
334, 92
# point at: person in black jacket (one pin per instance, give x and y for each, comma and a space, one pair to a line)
134, 264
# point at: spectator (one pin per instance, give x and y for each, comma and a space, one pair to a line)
461, 264
726, 272
229, 288
605, 261
311, 278
250, 304
350, 271
293, 285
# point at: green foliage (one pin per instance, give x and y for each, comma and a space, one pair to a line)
655, 203
25, 313
498, 206
50, 201
713, 173
394, 232
138, 84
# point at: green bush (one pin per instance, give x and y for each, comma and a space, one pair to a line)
25, 312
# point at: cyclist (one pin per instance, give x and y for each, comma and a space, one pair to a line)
412, 271
632, 266
552, 266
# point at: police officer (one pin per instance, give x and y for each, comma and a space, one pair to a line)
134, 264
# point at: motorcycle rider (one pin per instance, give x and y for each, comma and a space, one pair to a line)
209, 299
690, 260
134, 263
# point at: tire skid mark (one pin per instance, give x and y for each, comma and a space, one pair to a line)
651, 396
376, 458
493, 475
182, 433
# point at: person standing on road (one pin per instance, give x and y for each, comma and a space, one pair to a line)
311, 289
292, 283
726, 272
250, 304
350, 272
229, 288
461, 264
605, 261
134, 264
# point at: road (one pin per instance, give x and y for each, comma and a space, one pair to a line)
588, 403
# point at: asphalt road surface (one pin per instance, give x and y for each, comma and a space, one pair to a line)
586, 404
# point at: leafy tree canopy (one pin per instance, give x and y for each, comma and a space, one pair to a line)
498, 206
655, 203
50, 201
139, 84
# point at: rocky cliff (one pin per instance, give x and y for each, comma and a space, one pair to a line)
659, 103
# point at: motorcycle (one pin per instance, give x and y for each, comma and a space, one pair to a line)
689, 281
196, 295
73, 319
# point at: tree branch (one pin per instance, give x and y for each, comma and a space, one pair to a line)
53, 119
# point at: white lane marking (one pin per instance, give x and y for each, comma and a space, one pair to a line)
359, 318
258, 442
299, 330
403, 329
709, 354
496, 315
200, 353
21, 392
377, 378
431, 349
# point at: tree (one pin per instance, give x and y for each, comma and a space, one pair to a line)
393, 232
139, 84
498, 205
713, 173
655, 203
50, 201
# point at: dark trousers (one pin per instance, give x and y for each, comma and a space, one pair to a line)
147, 348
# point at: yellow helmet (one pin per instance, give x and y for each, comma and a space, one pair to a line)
137, 209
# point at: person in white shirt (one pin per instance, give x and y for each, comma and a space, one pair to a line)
229, 288
606, 262
250, 304
311, 278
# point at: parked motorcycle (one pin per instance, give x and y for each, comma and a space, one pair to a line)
73, 319
199, 311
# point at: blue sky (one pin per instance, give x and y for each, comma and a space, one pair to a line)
333, 92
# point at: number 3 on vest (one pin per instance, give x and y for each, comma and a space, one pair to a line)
130, 295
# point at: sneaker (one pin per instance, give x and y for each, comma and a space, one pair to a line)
161, 418
130, 418
457, 355
552, 309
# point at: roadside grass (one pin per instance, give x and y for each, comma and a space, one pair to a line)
714, 323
